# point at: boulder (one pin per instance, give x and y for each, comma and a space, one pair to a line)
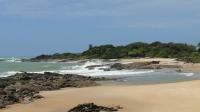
142, 65
91, 107
24, 87
117, 66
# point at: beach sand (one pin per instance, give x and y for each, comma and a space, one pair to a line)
190, 67
172, 97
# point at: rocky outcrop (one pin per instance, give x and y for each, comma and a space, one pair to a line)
25, 87
91, 107
142, 65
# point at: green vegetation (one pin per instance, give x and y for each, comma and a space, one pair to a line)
183, 52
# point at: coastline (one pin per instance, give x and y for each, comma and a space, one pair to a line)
144, 98
176, 65
165, 62
124, 95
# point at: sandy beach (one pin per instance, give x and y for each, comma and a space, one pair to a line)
172, 97
169, 97
191, 67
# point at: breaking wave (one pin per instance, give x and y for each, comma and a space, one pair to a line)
83, 69
87, 68
187, 74
13, 59
9, 73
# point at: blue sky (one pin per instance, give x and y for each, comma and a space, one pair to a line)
33, 27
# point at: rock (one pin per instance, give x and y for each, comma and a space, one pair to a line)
142, 65
117, 66
179, 70
2, 105
155, 62
5, 82
136, 65
93, 66
20, 93
91, 107
38, 96
105, 69
24, 87
2, 92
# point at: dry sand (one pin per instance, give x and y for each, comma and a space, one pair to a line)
191, 67
174, 97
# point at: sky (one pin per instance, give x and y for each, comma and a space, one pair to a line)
33, 27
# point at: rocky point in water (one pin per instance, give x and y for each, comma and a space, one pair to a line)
142, 65
91, 107
25, 87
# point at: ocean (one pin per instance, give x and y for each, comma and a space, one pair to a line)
11, 66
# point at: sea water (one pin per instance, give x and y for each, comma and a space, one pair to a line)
11, 66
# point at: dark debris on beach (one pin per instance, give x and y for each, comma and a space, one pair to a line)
91, 107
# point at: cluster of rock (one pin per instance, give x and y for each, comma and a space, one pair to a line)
142, 65
25, 87
91, 107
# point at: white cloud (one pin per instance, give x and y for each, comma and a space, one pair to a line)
92, 7
143, 13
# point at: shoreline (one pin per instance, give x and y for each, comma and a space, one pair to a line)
171, 63
165, 62
140, 98
141, 89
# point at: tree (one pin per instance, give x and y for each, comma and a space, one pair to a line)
198, 46
181, 51
90, 46
135, 53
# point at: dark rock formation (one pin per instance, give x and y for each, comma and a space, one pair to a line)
155, 62
91, 107
93, 66
101, 67
24, 87
142, 65
136, 65
117, 66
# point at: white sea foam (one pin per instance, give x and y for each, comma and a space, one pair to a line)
81, 69
9, 73
97, 71
187, 74
86, 72
11, 59
92, 62
117, 73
